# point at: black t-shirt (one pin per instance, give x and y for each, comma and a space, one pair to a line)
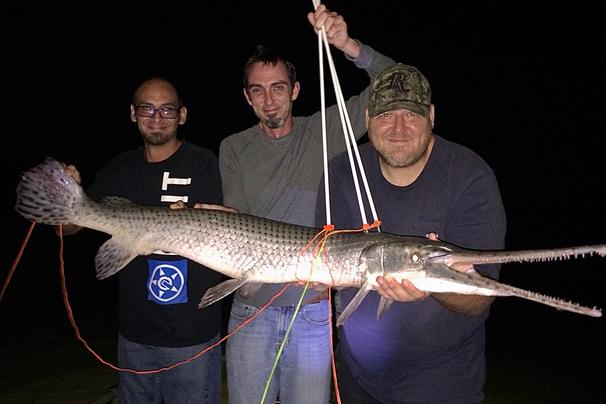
159, 293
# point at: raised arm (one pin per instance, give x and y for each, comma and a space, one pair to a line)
336, 30
363, 56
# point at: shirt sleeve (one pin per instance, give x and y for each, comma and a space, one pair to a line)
233, 188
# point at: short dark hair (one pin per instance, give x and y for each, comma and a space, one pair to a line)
157, 78
268, 56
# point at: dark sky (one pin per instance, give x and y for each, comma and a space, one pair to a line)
519, 83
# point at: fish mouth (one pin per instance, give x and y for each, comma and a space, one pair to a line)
503, 257
480, 257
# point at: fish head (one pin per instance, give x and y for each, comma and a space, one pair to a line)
403, 258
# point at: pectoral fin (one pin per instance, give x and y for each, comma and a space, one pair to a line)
218, 292
112, 257
355, 302
384, 304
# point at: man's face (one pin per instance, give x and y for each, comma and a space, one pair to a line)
271, 94
401, 137
157, 97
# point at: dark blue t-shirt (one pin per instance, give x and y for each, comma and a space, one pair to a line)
420, 351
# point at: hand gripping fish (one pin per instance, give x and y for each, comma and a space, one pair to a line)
254, 250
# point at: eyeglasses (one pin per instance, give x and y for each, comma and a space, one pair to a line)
149, 111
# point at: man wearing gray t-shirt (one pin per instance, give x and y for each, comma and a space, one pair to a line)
273, 170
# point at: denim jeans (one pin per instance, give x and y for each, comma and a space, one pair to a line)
303, 372
198, 381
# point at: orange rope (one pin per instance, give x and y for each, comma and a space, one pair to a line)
141, 372
16, 261
74, 326
317, 249
144, 372
327, 231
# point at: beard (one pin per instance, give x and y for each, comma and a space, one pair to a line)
274, 122
157, 138
394, 157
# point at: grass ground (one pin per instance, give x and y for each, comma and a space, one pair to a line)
53, 371
536, 363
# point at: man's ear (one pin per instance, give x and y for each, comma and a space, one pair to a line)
133, 116
432, 114
182, 115
247, 97
295, 90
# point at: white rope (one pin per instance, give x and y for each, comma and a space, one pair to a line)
324, 145
348, 133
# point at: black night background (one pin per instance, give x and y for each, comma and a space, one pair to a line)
519, 83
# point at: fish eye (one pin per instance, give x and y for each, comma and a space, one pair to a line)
415, 257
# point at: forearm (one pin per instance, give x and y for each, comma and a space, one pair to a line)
370, 60
351, 48
464, 304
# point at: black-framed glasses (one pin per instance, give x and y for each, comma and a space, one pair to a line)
149, 111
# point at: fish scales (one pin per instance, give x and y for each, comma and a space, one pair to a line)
252, 250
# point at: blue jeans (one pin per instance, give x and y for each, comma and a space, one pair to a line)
303, 372
198, 381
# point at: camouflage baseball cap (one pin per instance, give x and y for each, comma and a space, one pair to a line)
399, 86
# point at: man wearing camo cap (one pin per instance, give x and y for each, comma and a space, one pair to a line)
426, 348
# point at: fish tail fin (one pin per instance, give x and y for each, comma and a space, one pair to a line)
47, 195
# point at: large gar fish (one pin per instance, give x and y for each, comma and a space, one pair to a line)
252, 250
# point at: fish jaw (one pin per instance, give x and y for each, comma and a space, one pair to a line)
471, 257
448, 280
430, 266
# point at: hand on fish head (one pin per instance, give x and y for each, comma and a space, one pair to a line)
68, 228
405, 291
72, 171
461, 267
